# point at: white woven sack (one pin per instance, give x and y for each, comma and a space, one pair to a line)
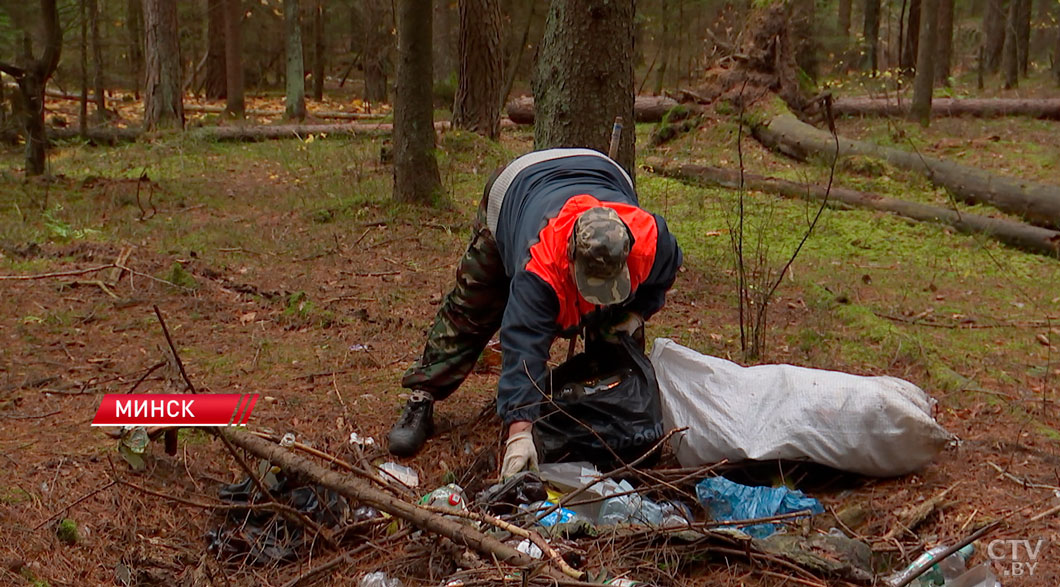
879, 426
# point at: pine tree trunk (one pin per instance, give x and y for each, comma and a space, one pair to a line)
908, 58
135, 19
97, 62
944, 44
871, 32
1056, 51
444, 60
377, 44
515, 56
416, 177
844, 18
318, 50
924, 82
163, 103
216, 74
477, 106
1023, 36
664, 50
993, 34
233, 14
82, 117
295, 103
1010, 53
584, 82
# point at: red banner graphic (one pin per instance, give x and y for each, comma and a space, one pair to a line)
175, 409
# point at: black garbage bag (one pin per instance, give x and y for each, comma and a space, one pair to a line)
601, 406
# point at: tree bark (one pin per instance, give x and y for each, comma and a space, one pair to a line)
1023, 36
318, 50
135, 39
477, 106
924, 83
908, 58
97, 62
376, 54
163, 96
1046, 108
295, 99
444, 63
871, 32
664, 50
1010, 54
844, 18
233, 15
1015, 234
944, 44
1038, 204
645, 109
31, 80
216, 73
416, 177
993, 34
584, 81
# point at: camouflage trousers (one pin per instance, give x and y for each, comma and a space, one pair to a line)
468, 317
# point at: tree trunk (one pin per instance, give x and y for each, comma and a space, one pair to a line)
1056, 51
377, 44
993, 34
1010, 53
233, 15
1038, 204
803, 31
478, 101
216, 74
924, 83
908, 59
135, 19
1015, 234
295, 104
944, 43
445, 58
97, 62
844, 18
1023, 35
584, 82
318, 50
664, 49
515, 57
871, 32
31, 80
416, 177
1046, 108
82, 117
163, 103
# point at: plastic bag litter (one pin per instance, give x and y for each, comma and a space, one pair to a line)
379, 579
731, 501
879, 426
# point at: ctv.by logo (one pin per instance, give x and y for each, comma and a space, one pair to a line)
1015, 558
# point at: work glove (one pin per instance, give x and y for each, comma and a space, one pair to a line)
519, 454
631, 324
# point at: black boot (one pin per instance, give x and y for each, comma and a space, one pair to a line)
414, 426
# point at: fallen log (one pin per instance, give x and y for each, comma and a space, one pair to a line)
218, 109
1036, 203
359, 491
1048, 108
244, 133
1015, 234
645, 109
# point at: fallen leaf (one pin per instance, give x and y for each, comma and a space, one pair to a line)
248, 317
1042, 338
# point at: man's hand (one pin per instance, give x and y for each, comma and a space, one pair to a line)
630, 324
520, 452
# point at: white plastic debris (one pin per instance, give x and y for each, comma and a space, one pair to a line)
529, 548
288, 440
406, 475
379, 579
361, 440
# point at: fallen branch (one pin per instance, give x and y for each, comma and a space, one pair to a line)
645, 109
57, 273
1038, 203
1022, 236
1048, 108
358, 490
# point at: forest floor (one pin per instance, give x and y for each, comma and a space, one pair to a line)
282, 268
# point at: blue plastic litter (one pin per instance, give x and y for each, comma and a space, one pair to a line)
731, 501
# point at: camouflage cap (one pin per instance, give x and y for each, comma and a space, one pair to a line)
600, 244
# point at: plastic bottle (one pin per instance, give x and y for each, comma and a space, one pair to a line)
448, 496
940, 571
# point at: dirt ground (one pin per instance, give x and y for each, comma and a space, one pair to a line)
327, 363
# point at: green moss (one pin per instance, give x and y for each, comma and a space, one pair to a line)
67, 531
179, 278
